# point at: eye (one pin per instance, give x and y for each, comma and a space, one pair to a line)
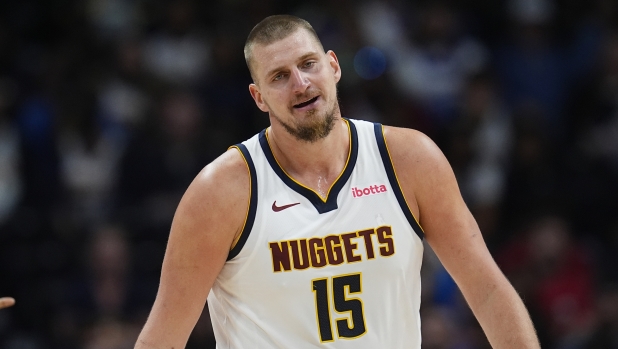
309, 64
278, 77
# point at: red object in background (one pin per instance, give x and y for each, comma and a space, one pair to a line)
554, 274
566, 296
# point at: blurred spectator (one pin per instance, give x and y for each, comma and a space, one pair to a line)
599, 120
109, 270
223, 95
381, 25
380, 30
433, 67
88, 156
533, 183
536, 70
123, 98
478, 147
555, 275
593, 157
105, 301
179, 53
40, 155
113, 19
161, 161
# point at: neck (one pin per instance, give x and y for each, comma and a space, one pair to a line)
314, 164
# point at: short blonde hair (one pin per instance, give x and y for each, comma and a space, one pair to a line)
272, 29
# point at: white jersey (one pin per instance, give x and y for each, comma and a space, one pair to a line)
312, 272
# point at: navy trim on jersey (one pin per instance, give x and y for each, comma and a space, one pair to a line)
244, 235
331, 201
392, 178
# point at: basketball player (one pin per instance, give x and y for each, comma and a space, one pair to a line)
6, 302
309, 234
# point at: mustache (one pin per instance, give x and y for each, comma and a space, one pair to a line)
306, 96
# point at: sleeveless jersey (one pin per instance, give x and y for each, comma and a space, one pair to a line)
312, 272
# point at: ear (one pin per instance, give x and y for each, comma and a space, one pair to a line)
333, 61
257, 97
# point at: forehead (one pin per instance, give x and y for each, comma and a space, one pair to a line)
284, 52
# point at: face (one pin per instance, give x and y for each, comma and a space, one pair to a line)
296, 83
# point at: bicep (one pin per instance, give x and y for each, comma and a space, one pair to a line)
194, 257
453, 234
206, 221
450, 229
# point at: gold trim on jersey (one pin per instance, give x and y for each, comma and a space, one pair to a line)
249, 201
397, 178
324, 199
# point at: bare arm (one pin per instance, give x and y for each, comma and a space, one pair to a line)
431, 190
209, 216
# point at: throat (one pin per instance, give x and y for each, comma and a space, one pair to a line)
319, 178
323, 186
319, 184
315, 166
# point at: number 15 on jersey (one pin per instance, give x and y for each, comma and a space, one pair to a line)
338, 289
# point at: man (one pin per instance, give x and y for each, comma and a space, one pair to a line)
6, 302
309, 234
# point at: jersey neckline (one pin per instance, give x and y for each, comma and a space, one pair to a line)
322, 205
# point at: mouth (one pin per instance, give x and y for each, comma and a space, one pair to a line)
306, 103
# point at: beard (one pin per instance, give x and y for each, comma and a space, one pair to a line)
315, 127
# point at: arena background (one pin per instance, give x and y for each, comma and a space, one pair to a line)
108, 109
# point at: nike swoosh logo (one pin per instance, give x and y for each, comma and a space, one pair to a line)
281, 208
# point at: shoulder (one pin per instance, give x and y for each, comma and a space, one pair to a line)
412, 150
221, 189
222, 176
225, 171
423, 172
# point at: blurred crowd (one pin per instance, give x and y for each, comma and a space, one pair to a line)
109, 108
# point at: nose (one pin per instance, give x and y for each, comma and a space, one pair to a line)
299, 81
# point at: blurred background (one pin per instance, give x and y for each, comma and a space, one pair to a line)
109, 108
